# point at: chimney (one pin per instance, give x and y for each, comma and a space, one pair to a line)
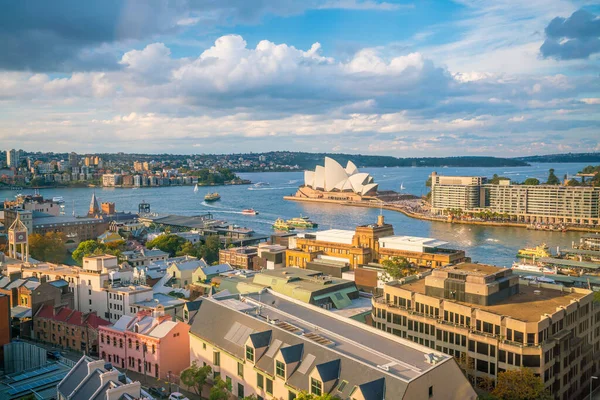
94, 365
380, 220
112, 375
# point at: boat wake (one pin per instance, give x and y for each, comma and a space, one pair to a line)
492, 240
272, 188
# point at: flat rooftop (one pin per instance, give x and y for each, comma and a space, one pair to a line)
411, 241
406, 360
473, 269
569, 263
335, 236
526, 306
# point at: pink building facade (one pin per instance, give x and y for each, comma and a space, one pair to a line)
147, 343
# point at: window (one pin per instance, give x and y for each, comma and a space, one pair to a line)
216, 358
240, 370
430, 391
316, 387
269, 388
260, 381
129, 343
250, 353
280, 369
228, 382
240, 390
137, 344
203, 346
291, 395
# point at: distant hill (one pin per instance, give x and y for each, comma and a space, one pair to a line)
563, 158
309, 160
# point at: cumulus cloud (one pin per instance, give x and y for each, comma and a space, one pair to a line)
577, 36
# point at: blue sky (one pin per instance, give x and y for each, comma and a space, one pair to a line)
427, 78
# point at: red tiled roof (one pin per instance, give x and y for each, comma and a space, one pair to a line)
71, 317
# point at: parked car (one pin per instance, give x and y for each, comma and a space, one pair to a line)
54, 355
177, 396
159, 392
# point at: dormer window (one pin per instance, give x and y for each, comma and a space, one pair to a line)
250, 353
316, 387
280, 369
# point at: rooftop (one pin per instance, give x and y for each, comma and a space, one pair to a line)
402, 242
161, 299
320, 331
335, 236
474, 269
529, 305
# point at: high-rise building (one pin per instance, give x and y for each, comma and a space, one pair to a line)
73, 160
491, 322
13, 158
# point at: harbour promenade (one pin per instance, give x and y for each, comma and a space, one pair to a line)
413, 209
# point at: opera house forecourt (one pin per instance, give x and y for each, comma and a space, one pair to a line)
335, 183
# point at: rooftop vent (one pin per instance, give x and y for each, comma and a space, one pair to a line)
322, 340
432, 358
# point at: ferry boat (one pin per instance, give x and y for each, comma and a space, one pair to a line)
533, 268
281, 225
302, 222
249, 211
212, 196
536, 252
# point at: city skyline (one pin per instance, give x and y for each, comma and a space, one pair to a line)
402, 79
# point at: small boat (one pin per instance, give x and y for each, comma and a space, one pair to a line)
212, 196
261, 184
536, 252
249, 211
533, 268
58, 199
302, 222
402, 186
281, 225
196, 188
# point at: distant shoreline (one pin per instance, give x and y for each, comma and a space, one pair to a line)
392, 207
86, 186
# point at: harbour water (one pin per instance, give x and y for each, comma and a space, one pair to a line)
495, 245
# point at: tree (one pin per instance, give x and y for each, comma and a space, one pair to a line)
309, 396
398, 267
496, 179
86, 248
531, 181
210, 251
195, 376
573, 182
219, 391
48, 247
520, 384
552, 179
168, 243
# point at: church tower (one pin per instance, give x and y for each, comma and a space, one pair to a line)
17, 236
94, 207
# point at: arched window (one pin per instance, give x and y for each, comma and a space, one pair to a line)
121, 343
102, 338
108, 339
153, 349
129, 343
115, 341
137, 345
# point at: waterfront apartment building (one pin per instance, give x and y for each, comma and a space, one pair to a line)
274, 347
369, 243
492, 322
523, 203
149, 343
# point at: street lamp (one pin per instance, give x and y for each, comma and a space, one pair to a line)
592, 385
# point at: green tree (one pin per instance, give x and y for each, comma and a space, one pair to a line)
398, 267
195, 377
573, 182
48, 247
87, 248
531, 181
309, 396
552, 179
219, 391
210, 250
520, 384
496, 179
168, 243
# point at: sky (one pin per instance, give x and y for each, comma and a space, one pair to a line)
504, 78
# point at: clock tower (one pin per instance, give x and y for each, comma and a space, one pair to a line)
18, 237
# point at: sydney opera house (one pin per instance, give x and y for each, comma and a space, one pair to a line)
334, 182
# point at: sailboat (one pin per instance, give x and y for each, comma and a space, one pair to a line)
402, 186
196, 188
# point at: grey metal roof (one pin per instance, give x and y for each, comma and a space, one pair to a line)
261, 339
59, 283
581, 252
293, 353
355, 362
373, 390
74, 377
88, 387
569, 263
329, 371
